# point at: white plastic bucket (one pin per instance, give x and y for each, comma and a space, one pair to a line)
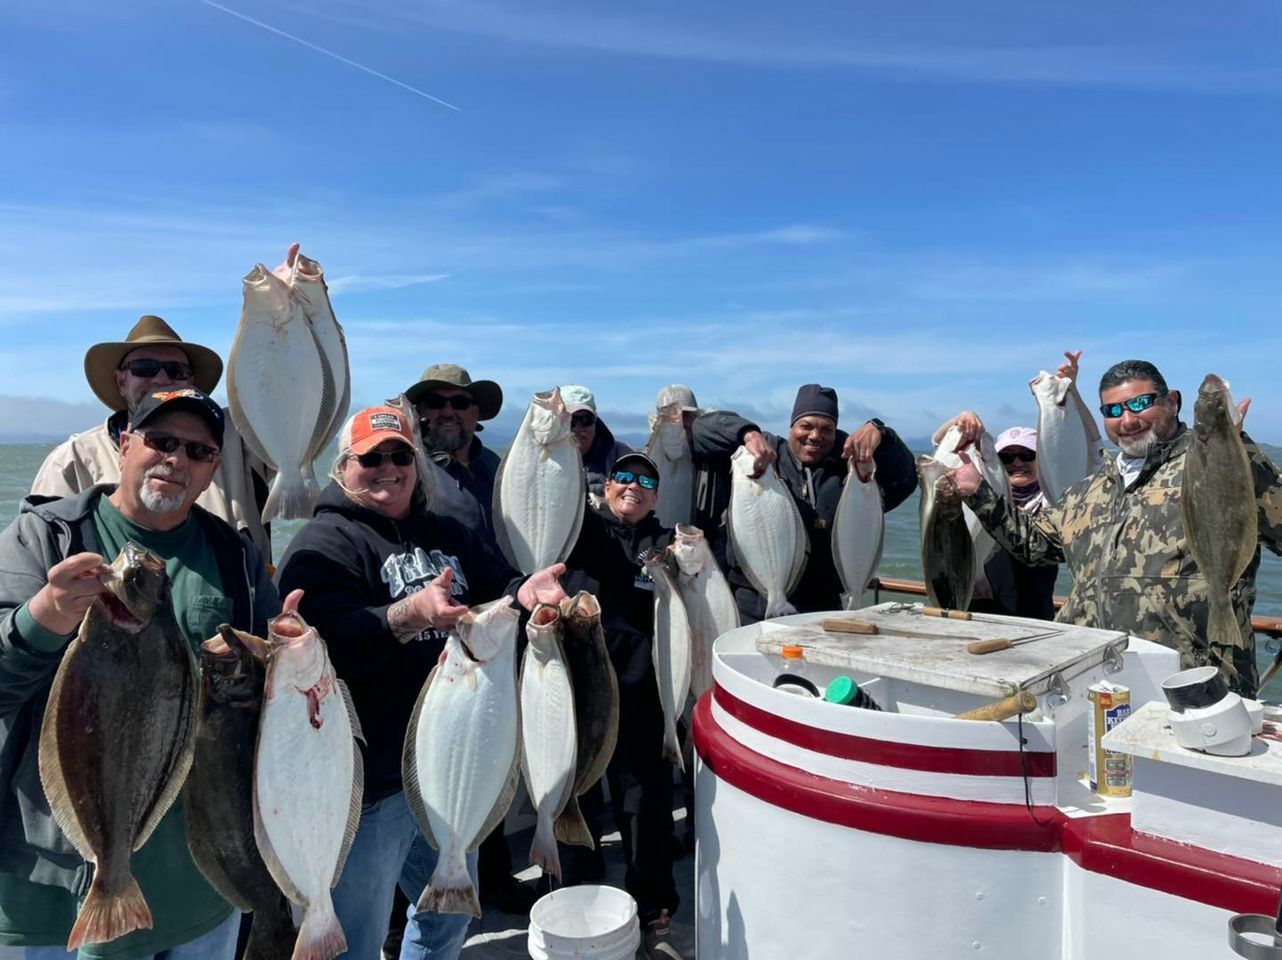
584, 922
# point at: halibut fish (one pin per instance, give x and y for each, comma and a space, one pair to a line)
1066, 434
116, 739
282, 389
308, 780
308, 282
459, 764
540, 491
670, 650
219, 799
857, 531
669, 448
596, 707
709, 603
766, 533
983, 454
1218, 505
947, 551
548, 736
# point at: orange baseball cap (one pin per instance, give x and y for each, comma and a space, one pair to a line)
371, 426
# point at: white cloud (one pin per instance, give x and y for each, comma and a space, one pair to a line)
392, 281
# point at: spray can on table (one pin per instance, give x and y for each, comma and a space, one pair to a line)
1110, 772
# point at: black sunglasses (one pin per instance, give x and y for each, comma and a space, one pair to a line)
376, 458
585, 418
1136, 405
164, 443
175, 369
627, 476
1023, 456
434, 401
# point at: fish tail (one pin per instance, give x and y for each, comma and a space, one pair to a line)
543, 852
672, 749
321, 936
272, 935
778, 607
1222, 628
106, 916
290, 498
443, 895
570, 827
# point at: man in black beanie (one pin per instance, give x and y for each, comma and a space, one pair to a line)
811, 460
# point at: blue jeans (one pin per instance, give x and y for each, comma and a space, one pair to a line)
389, 850
218, 944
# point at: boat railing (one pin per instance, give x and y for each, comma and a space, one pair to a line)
1270, 626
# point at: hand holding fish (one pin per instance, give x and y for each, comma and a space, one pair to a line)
429, 608
1069, 370
61, 603
969, 427
542, 586
966, 476
762, 455
861, 444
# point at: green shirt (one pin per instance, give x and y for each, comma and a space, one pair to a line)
183, 904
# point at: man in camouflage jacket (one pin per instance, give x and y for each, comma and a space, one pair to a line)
1121, 533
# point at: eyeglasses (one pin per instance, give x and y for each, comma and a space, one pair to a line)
146, 369
1023, 456
627, 476
585, 418
164, 443
1136, 405
435, 401
375, 458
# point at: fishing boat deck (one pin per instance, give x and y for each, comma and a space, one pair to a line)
502, 936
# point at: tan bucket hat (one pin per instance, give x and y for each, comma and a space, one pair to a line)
103, 359
487, 394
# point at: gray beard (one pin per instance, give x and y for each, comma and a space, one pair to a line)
434, 441
1138, 447
158, 503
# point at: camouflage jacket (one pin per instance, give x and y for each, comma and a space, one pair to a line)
1127, 553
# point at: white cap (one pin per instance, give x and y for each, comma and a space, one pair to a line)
677, 393
1025, 437
577, 398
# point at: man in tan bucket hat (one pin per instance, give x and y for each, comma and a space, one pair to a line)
120, 373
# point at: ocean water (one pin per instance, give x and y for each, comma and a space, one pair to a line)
19, 462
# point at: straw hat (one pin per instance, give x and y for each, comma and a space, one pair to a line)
102, 359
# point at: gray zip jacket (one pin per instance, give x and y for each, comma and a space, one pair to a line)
47, 531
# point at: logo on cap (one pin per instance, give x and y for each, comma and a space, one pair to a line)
385, 421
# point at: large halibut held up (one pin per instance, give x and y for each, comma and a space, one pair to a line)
857, 531
947, 551
1066, 433
308, 780
709, 603
116, 740
460, 758
669, 448
548, 739
670, 650
766, 533
596, 707
219, 800
1218, 505
541, 491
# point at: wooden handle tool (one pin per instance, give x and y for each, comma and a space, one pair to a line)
991, 646
1004, 709
945, 612
849, 625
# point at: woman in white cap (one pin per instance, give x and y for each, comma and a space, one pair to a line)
596, 443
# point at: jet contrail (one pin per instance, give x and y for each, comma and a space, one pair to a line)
330, 53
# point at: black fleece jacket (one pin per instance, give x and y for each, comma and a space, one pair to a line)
353, 564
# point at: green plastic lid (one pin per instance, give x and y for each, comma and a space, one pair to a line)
841, 690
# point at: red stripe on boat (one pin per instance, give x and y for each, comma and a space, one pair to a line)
1102, 844
886, 753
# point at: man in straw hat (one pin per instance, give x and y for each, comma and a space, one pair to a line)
121, 373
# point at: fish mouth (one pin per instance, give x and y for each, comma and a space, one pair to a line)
119, 615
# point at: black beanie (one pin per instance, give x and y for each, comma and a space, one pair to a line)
817, 400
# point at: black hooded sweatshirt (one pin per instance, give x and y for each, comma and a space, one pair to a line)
353, 564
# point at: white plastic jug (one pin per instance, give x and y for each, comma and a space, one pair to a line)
575, 923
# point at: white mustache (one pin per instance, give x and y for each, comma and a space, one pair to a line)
161, 472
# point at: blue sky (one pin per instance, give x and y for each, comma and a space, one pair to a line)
921, 204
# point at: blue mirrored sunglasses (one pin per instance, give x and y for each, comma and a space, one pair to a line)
627, 476
1136, 405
